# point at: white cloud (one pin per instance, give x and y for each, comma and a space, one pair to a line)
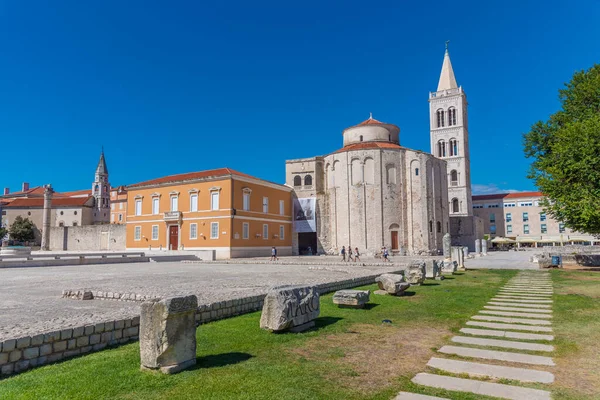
490, 188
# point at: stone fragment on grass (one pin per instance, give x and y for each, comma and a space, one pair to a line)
168, 334
291, 308
393, 284
416, 273
351, 298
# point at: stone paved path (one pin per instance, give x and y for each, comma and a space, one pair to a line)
514, 313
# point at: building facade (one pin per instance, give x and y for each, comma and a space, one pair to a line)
369, 194
222, 210
118, 205
520, 217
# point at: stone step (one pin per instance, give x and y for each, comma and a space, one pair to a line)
510, 327
501, 303
492, 371
508, 344
516, 314
527, 291
509, 320
481, 388
519, 297
529, 310
416, 396
524, 301
525, 295
497, 355
506, 334
532, 288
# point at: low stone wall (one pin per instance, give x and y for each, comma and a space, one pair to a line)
36, 262
88, 237
17, 355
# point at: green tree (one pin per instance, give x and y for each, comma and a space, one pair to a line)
3, 232
566, 154
22, 229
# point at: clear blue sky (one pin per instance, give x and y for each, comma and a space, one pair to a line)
171, 87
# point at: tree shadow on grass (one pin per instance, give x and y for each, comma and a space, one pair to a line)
430, 284
221, 360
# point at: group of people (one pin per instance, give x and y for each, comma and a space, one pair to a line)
351, 256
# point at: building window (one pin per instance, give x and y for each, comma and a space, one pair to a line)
493, 229
265, 231
455, 205
245, 230
528, 203
297, 180
61, 213
508, 217
154, 232
214, 230
451, 116
120, 217
525, 216
281, 232
508, 205
194, 202
477, 205
544, 228
308, 180
174, 203
361, 138
193, 231
417, 171
441, 148
508, 228
561, 228
439, 227
112, 206
138, 207
74, 223
430, 226
526, 229
246, 201
542, 216
120, 205
137, 233
265, 204
112, 217
440, 118
390, 174
155, 205
61, 224
281, 207
74, 212
453, 178
214, 201
492, 218
453, 147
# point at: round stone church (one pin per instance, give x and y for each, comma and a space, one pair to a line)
370, 193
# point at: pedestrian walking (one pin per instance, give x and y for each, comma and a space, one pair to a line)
386, 254
274, 254
356, 255
343, 253
310, 251
350, 254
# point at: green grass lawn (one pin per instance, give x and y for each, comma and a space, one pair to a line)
349, 355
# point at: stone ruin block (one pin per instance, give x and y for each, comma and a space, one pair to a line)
416, 272
78, 294
351, 298
290, 308
448, 266
168, 334
433, 269
394, 284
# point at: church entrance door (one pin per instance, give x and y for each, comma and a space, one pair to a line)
394, 240
173, 237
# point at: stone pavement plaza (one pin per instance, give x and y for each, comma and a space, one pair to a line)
31, 303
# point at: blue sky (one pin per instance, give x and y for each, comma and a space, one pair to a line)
171, 87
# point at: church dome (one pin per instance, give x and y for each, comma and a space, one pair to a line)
371, 130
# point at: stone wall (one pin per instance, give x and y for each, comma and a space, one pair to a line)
464, 230
17, 355
88, 238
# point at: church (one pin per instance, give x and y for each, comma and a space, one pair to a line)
374, 193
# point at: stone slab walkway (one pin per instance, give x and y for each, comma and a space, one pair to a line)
415, 396
512, 314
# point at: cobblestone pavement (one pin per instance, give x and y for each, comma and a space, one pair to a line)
30, 298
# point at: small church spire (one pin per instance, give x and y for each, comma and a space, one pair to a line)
370, 115
102, 168
447, 78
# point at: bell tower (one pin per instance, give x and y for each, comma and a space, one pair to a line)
101, 192
449, 135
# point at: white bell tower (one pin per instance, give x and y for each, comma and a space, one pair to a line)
449, 134
101, 192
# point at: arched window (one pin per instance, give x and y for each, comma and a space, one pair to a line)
453, 178
441, 148
439, 226
390, 176
369, 171
361, 138
308, 180
440, 118
430, 226
453, 147
451, 116
297, 180
455, 207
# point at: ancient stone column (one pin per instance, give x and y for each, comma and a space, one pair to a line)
46, 217
477, 246
168, 334
447, 243
465, 251
292, 308
484, 245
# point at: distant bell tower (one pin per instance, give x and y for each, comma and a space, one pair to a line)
101, 192
449, 133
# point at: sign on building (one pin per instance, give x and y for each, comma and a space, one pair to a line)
304, 215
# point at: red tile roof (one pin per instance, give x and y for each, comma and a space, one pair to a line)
517, 195
56, 202
213, 173
369, 145
38, 190
78, 193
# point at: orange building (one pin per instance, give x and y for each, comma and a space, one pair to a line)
118, 205
223, 211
